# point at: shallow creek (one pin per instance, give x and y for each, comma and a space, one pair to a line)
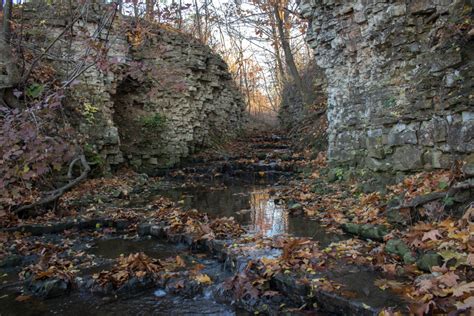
250, 203
252, 206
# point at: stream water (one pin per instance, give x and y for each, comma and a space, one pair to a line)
249, 203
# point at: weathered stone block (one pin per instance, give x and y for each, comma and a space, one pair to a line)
402, 134
407, 158
377, 165
422, 7
397, 10
426, 133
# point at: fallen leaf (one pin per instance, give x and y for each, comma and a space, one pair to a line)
468, 303
470, 259
431, 235
450, 279
140, 274
463, 288
22, 298
180, 262
383, 284
203, 279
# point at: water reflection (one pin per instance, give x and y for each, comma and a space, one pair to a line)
251, 206
267, 217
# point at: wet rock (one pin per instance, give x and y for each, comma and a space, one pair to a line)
429, 260
121, 224
184, 287
11, 261
144, 229
287, 284
135, 285
48, 288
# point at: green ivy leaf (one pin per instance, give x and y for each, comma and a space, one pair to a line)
34, 90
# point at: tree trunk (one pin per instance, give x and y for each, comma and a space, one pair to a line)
149, 9
180, 15
281, 71
9, 74
206, 32
198, 20
289, 59
7, 14
136, 12
120, 6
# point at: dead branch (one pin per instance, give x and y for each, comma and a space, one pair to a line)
54, 195
423, 199
71, 167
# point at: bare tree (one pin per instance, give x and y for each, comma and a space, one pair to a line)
9, 74
149, 10
289, 58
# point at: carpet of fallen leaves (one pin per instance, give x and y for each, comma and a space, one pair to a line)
197, 224
430, 228
447, 287
61, 256
136, 265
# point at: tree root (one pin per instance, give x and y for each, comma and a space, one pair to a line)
52, 196
423, 199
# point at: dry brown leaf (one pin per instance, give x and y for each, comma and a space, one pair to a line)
22, 298
468, 303
463, 288
180, 262
203, 279
431, 235
449, 279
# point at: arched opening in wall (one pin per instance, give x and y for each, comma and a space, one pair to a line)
138, 127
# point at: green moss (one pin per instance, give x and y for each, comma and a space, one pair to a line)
390, 102
94, 158
155, 121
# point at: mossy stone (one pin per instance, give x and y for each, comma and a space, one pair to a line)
408, 258
397, 247
429, 260
375, 232
351, 228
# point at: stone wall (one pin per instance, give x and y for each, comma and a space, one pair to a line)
160, 99
400, 80
189, 87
